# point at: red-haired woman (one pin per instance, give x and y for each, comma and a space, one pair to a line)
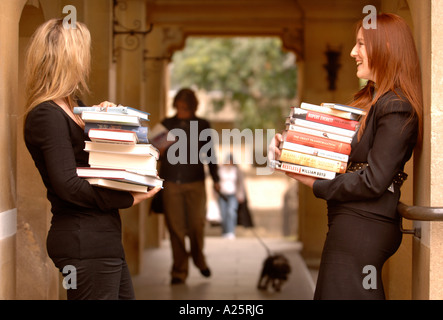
362, 217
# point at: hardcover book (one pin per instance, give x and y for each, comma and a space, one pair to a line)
121, 175
320, 127
317, 142
327, 119
314, 151
136, 149
318, 133
330, 111
141, 131
308, 171
343, 107
113, 136
312, 161
137, 163
118, 185
117, 109
108, 117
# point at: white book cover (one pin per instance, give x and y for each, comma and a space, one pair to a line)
295, 168
108, 117
121, 175
315, 151
344, 107
135, 149
117, 109
117, 185
137, 163
328, 110
113, 136
319, 133
322, 127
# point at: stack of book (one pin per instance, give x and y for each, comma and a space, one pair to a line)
317, 139
120, 156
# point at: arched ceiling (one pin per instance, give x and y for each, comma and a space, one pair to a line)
282, 18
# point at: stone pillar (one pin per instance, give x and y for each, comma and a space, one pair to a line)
129, 86
338, 20
10, 11
157, 57
98, 18
427, 282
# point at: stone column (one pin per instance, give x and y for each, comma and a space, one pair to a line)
98, 18
323, 26
157, 57
129, 77
427, 282
10, 11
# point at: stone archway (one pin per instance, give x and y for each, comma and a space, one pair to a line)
37, 278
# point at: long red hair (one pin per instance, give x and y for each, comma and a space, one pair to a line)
394, 62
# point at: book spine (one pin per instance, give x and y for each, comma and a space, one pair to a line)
318, 133
111, 118
135, 149
118, 109
313, 172
312, 161
141, 131
327, 110
325, 119
142, 114
317, 142
321, 127
97, 135
79, 110
343, 107
315, 151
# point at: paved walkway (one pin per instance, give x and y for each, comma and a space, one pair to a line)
235, 265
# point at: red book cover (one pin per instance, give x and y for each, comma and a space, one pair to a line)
325, 119
317, 142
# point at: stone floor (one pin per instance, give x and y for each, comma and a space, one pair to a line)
235, 264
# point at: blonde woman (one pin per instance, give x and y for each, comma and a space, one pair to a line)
85, 231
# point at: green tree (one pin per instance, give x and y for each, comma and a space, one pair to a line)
253, 74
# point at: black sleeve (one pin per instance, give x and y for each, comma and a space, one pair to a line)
48, 130
394, 138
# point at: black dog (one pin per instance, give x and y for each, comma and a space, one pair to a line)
275, 271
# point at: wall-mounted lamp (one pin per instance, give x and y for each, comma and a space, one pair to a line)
332, 66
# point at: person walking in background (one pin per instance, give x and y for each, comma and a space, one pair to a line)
85, 230
232, 192
184, 194
364, 225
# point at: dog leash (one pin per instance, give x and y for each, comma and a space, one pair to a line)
262, 242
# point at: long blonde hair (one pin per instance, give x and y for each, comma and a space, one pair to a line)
394, 60
57, 63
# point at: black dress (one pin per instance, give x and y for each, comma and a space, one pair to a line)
363, 223
86, 222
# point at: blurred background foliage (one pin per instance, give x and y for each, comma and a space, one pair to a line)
254, 75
